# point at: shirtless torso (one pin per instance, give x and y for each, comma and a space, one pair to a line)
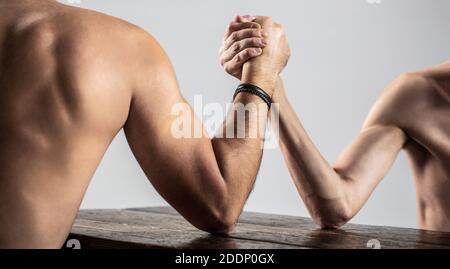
423, 113
70, 80
56, 119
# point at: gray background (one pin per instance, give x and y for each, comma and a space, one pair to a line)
343, 54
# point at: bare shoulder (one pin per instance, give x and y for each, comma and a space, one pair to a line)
127, 44
91, 29
417, 104
408, 97
439, 76
86, 40
80, 32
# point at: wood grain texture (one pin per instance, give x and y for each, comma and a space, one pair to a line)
164, 228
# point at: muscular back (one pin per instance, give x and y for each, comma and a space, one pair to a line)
64, 95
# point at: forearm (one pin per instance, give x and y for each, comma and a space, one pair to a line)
239, 146
335, 193
321, 188
256, 61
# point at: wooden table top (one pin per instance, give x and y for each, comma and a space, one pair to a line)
164, 228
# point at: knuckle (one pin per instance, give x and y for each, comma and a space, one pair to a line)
234, 37
247, 53
228, 68
255, 42
254, 52
240, 57
236, 47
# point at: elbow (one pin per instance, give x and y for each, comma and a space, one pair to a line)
218, 223
218, 219
220, 214
219, 210
333, 216
332, 222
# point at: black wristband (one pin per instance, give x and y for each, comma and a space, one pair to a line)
255, 90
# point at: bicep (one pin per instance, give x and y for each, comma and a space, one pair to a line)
180, 168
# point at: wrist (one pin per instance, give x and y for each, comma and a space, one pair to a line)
261, 78
264, 82
279, 94
255, 90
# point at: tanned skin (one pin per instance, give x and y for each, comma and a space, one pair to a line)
71, 79
412, 114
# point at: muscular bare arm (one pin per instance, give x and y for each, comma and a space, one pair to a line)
206, 180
